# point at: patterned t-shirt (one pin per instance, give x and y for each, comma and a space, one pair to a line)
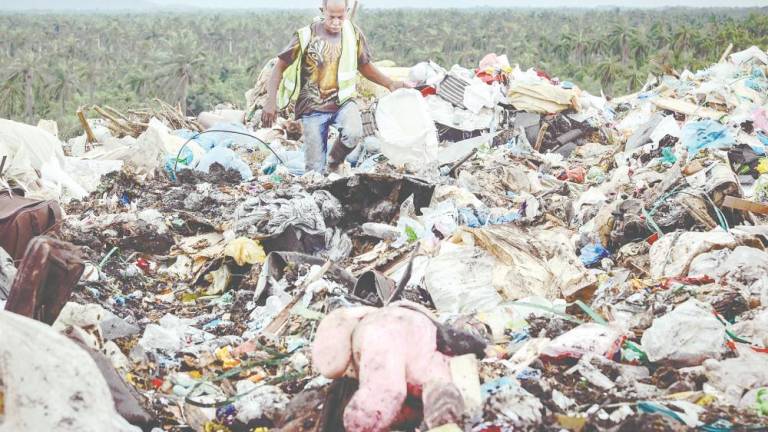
320, 68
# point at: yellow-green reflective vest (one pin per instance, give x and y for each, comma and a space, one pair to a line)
290, 86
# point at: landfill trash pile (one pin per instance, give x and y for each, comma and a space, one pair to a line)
506, 252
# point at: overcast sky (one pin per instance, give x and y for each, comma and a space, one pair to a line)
148, 5
473, 3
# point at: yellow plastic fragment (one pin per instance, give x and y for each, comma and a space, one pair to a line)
706, 400
212, 426
189, 297
245, 251
575, 424
257, 378
762, 166
224, 354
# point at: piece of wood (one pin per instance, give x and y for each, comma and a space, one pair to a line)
540, 136
726, 53
745, 205
115, 121
454, 171
275, 327
687, 108
90, 137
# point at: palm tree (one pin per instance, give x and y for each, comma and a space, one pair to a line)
26, 73
609, 71
684, 37
660, 34
620, 36
11, 98
580, 42
563, 48
639, 47
179, 72
63, 84
635, 79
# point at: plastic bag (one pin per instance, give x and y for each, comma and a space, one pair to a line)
686, 336
31, 150
460, 280
245, 251
427, 73
226, 158
408, 134
760, 119
592, 254
704, 134
749, 54
51, 383
293, 160
590, 338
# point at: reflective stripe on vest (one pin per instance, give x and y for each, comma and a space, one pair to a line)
290, 85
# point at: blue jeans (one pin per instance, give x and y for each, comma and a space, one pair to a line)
316, 126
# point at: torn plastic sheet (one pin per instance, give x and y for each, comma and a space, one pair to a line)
534, 262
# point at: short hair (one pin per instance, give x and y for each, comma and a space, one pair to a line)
346, 3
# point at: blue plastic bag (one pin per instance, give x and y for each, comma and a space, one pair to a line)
293, 161
591, 254
704, 134
467, 217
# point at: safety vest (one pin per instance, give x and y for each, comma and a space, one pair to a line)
290, 86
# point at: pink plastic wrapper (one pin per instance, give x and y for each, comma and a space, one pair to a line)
760, 119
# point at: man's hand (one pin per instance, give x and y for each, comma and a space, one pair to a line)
397, 85
376, 76
269, 113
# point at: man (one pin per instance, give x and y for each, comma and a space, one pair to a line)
318, 71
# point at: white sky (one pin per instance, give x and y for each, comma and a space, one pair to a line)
147, 5
470, 3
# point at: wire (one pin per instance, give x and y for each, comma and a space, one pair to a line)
178, 155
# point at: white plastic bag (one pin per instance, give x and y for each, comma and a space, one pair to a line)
31, 150
407, 132
460, 280
50, 383
589, 338
686, 336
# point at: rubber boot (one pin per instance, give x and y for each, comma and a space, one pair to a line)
338, 155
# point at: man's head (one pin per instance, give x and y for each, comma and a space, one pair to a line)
334, 14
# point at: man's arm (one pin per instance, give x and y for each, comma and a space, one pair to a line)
269, 112
374, 74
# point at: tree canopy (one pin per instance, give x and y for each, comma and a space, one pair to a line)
50, 64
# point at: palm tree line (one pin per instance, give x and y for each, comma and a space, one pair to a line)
51, 64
